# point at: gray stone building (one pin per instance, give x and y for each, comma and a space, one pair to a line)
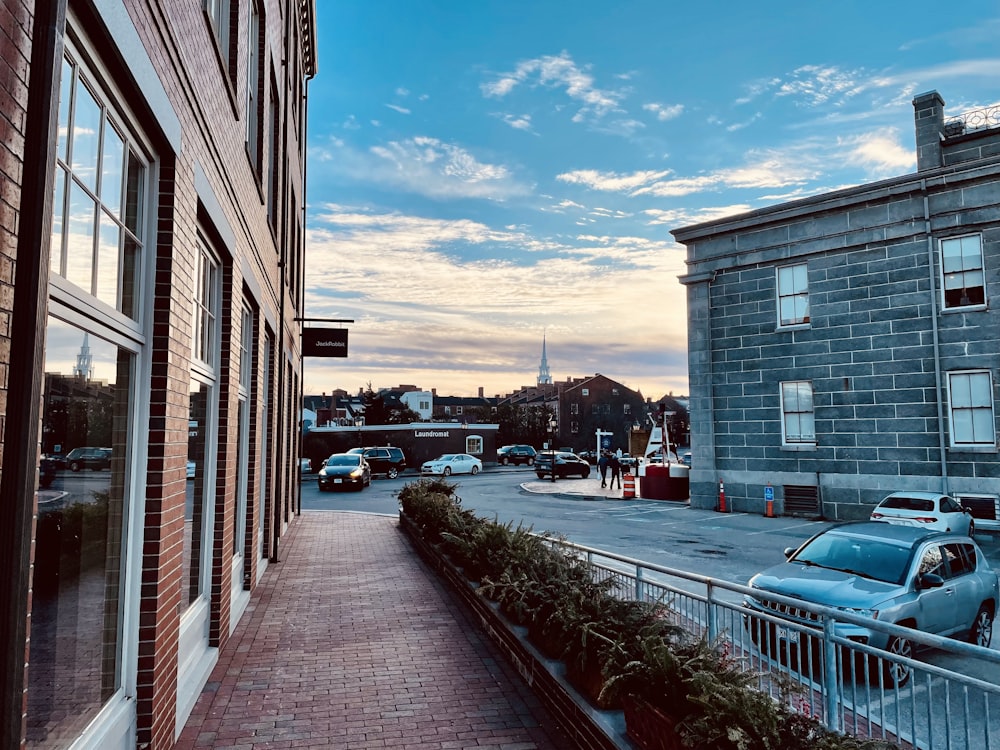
847, 345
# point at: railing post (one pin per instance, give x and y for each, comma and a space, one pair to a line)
639, 595
713, 630
830, 682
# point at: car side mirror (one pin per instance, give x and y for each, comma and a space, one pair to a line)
789, 551
930, 581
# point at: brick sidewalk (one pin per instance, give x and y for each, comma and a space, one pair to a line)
350, 642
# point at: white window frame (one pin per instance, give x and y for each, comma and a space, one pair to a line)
795, 412
73, 305
958, 272
971, 410
474, 445
792, 295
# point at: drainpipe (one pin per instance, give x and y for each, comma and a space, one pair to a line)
938, 385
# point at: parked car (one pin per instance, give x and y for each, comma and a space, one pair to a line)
566, 465
89, 458
929, 510
927, 580
452, 463
686, 458
589, 456
344, 470
387, 459
516, 454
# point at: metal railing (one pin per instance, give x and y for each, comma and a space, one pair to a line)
800, 660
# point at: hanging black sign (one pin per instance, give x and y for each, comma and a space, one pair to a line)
324, 342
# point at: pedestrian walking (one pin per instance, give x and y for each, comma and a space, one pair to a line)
602, 466
616, 471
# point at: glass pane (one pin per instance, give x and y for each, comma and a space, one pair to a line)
58, 210
65, 94
195, 505
801, 279
979, 389
961, 392
112, 160
982, 426
971, 254
106, 276
86, 135
80, 241
130, 271
961, 426
136, 180
75, 655
786, 280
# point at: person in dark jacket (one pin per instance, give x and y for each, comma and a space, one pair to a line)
602, 466
616, 471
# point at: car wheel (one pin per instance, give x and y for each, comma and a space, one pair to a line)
74, 466
323, 489
475, 470
392, 473
981, 632
531, 462
585, 473
897, 674
447, 471
540, 474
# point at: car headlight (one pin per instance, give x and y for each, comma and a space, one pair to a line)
356, 472
872, 613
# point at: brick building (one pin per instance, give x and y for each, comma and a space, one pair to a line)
150, 282
848, 345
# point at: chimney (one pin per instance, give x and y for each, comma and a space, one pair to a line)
434, 392
928, 117
480, 391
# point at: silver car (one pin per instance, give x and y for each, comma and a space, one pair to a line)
932, 581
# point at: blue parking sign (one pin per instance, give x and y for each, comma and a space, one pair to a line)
769, 493
605, 442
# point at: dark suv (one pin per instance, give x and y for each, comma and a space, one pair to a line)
516, 454
387, 459
89, 458
566, 465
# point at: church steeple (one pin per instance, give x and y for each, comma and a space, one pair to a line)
544, 377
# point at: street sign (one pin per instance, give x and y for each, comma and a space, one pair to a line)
769, 493
324, 342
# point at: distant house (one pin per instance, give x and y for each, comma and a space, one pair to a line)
469, 409
848, 345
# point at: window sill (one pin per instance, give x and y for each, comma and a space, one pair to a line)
799, 447
795, 327
973, 449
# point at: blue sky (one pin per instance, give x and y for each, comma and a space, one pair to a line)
483, 172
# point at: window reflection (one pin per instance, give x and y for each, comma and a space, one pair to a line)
75, 635
194, 507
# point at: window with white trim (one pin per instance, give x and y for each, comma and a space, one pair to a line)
100, 186
474, 445
220, 20
971, 409
793, 295
255, 89
798, 419
574, 408
963, 283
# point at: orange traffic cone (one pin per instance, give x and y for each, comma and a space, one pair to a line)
628, 485
722, 497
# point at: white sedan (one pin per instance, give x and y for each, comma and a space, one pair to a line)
452, 463
929, 510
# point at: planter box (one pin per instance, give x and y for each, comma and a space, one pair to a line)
650, 728
589, 728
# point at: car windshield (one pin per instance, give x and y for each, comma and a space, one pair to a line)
447, 457
908, 503
342, 461
869, 558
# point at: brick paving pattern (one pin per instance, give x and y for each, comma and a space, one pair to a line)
351, 642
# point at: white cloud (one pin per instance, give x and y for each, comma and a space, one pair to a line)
664, 112
426, 166
518, 122
558, 72
611, 181
401, 110
880, 154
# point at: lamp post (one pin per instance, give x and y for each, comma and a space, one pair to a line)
666, 436
553, 425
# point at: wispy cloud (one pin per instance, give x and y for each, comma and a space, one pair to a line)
518, 122
558, 72
664, 112
401, 110
425, 166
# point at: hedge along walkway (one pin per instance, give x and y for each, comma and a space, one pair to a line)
351, 642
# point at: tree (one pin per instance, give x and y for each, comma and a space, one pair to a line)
377, 411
